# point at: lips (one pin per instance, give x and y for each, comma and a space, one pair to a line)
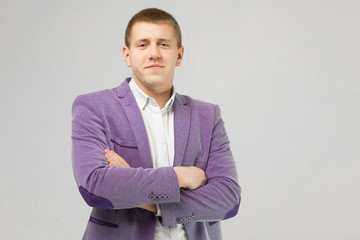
154, 66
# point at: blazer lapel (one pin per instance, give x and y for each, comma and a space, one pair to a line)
182, 115
133, 114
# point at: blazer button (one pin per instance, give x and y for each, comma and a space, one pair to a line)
188, 219
167, 197
193, 218
178, 220
152, 197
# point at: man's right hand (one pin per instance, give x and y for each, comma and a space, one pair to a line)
190, 177
114, 159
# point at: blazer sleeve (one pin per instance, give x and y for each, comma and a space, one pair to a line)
103, 186
220, 198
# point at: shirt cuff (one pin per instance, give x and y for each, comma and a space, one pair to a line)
158, 214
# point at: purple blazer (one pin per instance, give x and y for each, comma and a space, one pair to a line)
112, 119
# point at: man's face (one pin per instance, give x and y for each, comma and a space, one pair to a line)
153, 55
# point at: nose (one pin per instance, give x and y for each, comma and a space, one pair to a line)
154, 52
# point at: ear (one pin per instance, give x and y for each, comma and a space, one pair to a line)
126, 55
180, 56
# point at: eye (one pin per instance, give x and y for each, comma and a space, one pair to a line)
164, 45
141, 45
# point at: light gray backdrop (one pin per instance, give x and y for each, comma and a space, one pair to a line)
285, 73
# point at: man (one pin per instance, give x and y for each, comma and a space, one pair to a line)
153, 164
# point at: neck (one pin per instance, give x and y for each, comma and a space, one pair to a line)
161, 96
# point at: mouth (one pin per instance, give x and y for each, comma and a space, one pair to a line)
154, 66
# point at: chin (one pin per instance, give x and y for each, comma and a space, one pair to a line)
157, 82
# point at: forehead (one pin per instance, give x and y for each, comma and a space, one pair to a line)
152, 31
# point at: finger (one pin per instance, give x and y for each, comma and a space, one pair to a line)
111, 155
116, 160
108, 156
112, 161
125, 163
119, 158
116, 164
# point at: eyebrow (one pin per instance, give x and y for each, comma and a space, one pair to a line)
159, 40
164, 40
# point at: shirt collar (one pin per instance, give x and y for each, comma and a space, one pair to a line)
143, 100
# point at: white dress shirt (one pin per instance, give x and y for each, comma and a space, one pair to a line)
159, 124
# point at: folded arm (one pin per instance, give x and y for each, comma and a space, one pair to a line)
105, 186
220, 198
189, 177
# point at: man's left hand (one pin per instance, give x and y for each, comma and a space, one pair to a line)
115, 160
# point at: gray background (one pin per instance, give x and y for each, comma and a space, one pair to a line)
285, 74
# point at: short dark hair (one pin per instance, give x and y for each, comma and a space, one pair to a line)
153, 15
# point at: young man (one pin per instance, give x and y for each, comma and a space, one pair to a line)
152, 163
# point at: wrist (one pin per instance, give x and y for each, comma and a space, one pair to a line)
150, 207
178, 171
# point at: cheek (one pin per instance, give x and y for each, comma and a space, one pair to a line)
170, 58
136, 59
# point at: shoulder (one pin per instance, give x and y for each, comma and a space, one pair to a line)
106, 96
93, 97
96, 97
95, 100
199, 106
194, 103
